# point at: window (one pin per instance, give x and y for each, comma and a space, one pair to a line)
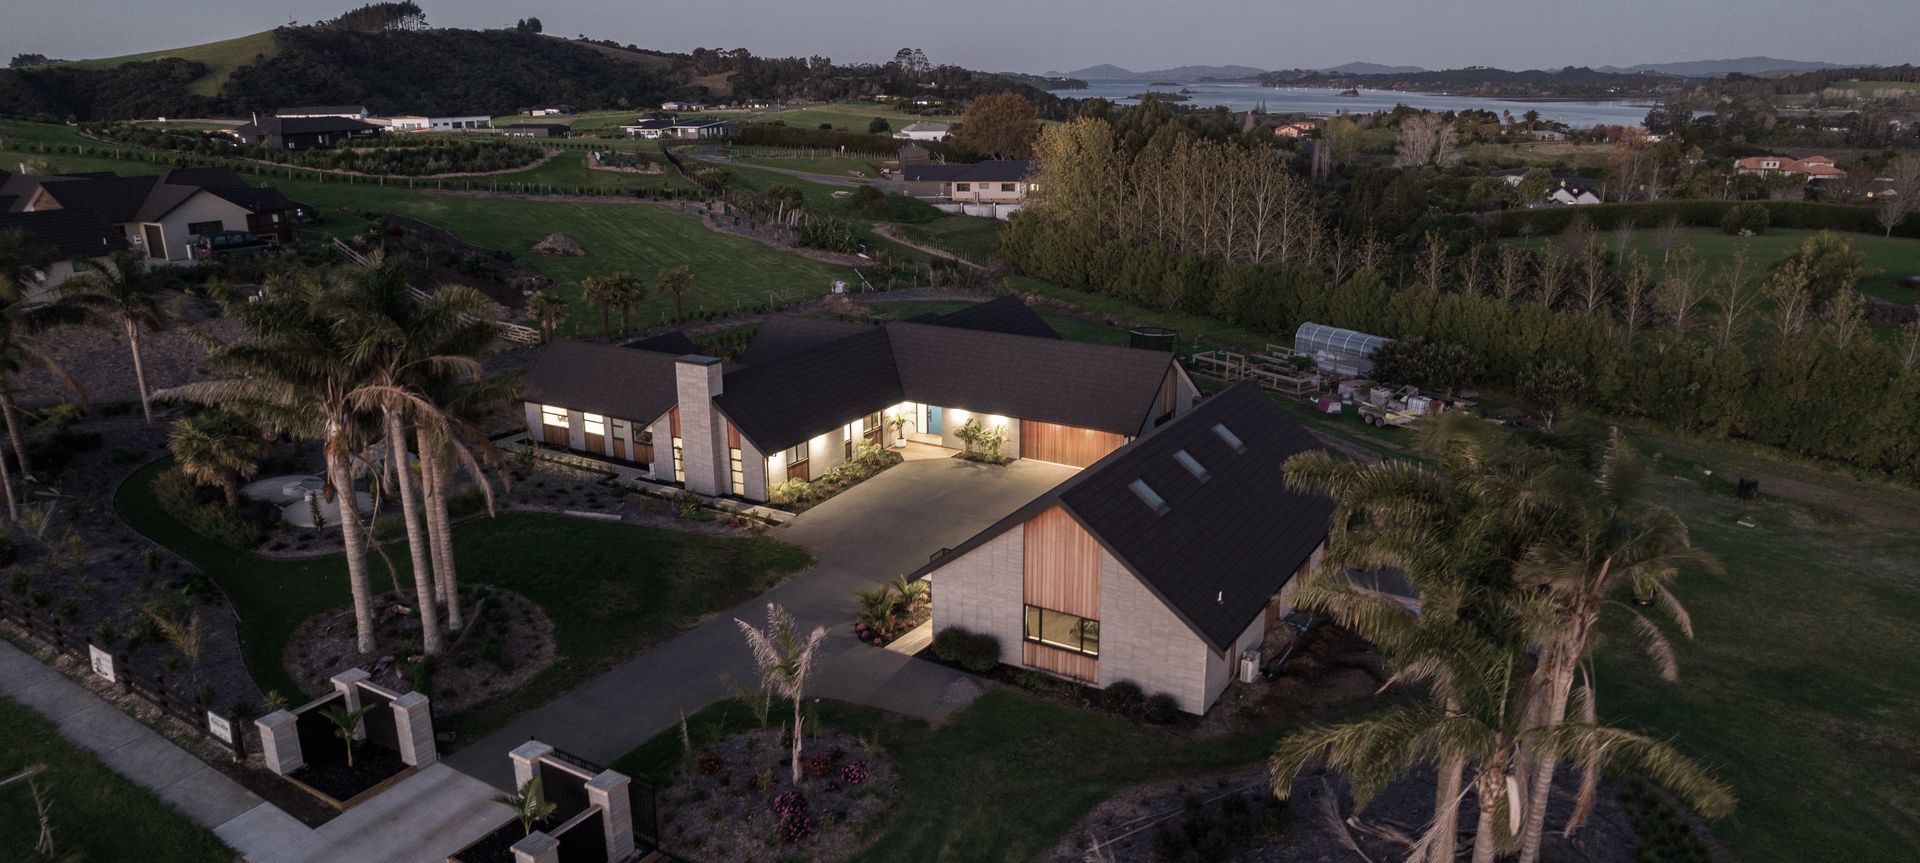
1063, 630
553, 416
1148, 496
798, 454
594, 424
962, 187
870, 422
1231, 439
1192, 465
739, 472
679, 467
622, 429
201, 229
1006, 187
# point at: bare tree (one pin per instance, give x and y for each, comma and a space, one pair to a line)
1681, 291
1593, 279
1669, 236
1846, 316
1473, 271
1902, 196
1622, 241
1910, 342
1735, 300
1788, 289
1426, 140
1553, 277
1636, 296
1433, 261
1512, 276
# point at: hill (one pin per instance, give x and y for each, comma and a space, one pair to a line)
220, 58
1109, 72
1371, 69
1722, 68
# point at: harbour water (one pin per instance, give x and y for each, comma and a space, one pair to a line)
1323, 103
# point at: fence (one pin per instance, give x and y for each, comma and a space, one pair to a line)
226, 729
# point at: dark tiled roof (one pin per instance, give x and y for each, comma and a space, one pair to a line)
783, 337
778, 405
672, 342
1223, 546
227, 184
323, 109
1004, 314
995, 170
70, 233
162, 199
604, 379
113, 199
303, 126
1074, 383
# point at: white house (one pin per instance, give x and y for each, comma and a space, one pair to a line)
351, 112
924, 132
405, 123
448, 124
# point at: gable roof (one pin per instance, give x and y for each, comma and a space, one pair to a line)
605, 379
672, 342
1073, 383
1218, 549
70, 233
991, 171
1006, 313
782, 337
778, 405
302, 126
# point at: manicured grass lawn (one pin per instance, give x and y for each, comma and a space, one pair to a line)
1895, 257
569, 171
611, 589
1002, 780
1543, 153
97, 814
1192, 328
850, 116
971, 237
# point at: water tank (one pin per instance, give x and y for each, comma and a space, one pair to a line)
1153, 338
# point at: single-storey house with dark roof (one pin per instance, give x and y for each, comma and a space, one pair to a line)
1163, 563
999, 181
303, 133
536, 130
810, 391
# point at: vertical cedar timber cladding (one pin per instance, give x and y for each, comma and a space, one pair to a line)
1065, 663
673, 420
1062, 565
1068, 445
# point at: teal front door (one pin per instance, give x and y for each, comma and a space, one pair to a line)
933, 419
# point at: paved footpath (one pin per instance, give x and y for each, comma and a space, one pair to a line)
886, 526
429, 816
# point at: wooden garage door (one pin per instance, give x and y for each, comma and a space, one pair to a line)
1069, 445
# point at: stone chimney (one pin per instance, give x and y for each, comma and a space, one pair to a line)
703, 439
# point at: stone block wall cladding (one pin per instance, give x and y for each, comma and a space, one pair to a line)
609, 791
984, 591
1144, 641
703, 444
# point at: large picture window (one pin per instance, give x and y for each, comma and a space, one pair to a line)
1062, 630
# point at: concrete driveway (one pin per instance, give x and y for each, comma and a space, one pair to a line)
884, 527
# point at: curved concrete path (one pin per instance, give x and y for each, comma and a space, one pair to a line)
884, 527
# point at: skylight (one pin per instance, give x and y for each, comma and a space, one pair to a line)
1148, 496
1192, 465
1232, 439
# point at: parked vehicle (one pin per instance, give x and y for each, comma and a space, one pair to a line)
224, 243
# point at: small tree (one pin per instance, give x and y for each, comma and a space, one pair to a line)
219, 449
674, 282
528, 805
346, 724
549, 309
1552, 387
785, 662
879, 126
121, 292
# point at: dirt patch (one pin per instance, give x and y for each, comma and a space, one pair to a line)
736, 801
507, 641
98, 358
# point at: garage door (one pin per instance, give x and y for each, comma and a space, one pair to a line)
1069, 445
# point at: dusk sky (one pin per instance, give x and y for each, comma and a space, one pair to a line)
1022, 35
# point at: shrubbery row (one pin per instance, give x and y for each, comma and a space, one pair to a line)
188, 504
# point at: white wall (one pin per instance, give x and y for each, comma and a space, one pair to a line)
753, 466
951, 419
202, 207
984, 591
1144, 641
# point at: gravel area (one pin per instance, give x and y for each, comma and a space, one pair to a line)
97, 358
726, 805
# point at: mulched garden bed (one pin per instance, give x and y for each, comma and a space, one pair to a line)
508, 640
497, 847
735, 802
330, 774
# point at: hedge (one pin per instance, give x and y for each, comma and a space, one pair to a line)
1705, 214
182, 499
974, 651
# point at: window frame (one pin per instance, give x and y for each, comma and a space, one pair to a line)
548, 413
589, 421
679, 464
737, 471
798, 453
1034, 617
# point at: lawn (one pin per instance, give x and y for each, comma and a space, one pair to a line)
611, 589
1895, 257
810, 160
220, 57
1196, 332
1002, 780
1540, 154
1069, 327
569, 171
850, 116
97, 814
971, 237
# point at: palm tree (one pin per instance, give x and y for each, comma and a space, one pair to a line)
674, 282
449, 443
20, 352
408, 344
528, 804
785, 661
295, 375
346, 724
219, 449
629, 292
1619, 545
121, 291
23, 257
601, 291
550, 309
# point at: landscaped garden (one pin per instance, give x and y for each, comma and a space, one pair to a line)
93, 813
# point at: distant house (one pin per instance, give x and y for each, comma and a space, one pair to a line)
1167, 563
1000, 182
547, 110
1812, 167
405, 122
449, 124
1574, 191
1295, 130
925, 132
683, 106
649, 128
1547, 135
537, 130
303, 133
702, 128
89, 215
350, 112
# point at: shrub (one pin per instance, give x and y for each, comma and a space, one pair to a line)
470, 500
855, 772
791, 491
795, 822
1746, 219
9, 551
980, 652
1161, 709
947, 643
388, 528
818, 765
185, 502
1125, 698
710, 764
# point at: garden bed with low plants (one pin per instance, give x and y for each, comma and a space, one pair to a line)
497, 847
892, 610
736, 800
868, 461
340, 782
507, 641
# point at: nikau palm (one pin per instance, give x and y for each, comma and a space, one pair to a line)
120, 292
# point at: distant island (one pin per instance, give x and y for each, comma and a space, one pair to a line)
1163, 96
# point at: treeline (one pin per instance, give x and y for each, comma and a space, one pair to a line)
820, 79
1703, 214
156, 88
1789, 363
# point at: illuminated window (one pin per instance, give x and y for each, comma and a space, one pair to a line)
739, 471
594, 424
553, 416
679, 467
1063, 630
871, 422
